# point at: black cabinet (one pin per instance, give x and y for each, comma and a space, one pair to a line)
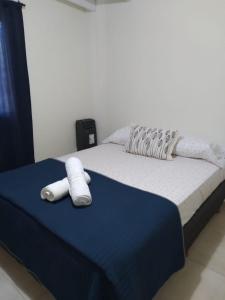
86, 134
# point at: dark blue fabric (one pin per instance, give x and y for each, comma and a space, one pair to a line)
128, 241
16, 133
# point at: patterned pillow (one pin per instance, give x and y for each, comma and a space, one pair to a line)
152, 142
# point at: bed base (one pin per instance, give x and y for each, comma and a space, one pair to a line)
202, 216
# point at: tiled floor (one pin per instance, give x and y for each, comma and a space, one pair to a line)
203, 278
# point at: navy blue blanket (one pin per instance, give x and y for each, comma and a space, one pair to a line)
128, 240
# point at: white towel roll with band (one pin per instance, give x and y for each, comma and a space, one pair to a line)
59, 189
78, 188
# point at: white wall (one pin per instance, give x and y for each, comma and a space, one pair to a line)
58, 38
161, 63
156, 62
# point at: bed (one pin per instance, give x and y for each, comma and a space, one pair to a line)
186, 182
196, 187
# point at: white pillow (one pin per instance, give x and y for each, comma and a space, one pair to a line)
197, 148
120, 136
219, 153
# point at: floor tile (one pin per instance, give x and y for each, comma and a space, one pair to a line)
209, 248
218, 222
194, 282
7, 290
22, 280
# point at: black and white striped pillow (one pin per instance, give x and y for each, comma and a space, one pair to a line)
152, 142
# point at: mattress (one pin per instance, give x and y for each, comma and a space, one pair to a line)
184, 181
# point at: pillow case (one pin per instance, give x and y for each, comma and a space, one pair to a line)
120, 136
219, 155
152, 142
197, 148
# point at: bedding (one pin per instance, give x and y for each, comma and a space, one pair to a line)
126, 244
186, 182
197, 148
120, 136
190, 147
152, 142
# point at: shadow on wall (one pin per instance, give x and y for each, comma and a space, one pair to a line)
73, 5
110, 1
98, 2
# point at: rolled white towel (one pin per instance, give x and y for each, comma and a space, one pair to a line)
56, 190
59, 189
78, 188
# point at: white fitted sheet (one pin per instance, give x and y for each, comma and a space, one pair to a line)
186, 182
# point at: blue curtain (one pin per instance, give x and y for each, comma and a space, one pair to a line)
16, 132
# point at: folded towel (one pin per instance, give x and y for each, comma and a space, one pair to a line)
78, 188
59, 189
